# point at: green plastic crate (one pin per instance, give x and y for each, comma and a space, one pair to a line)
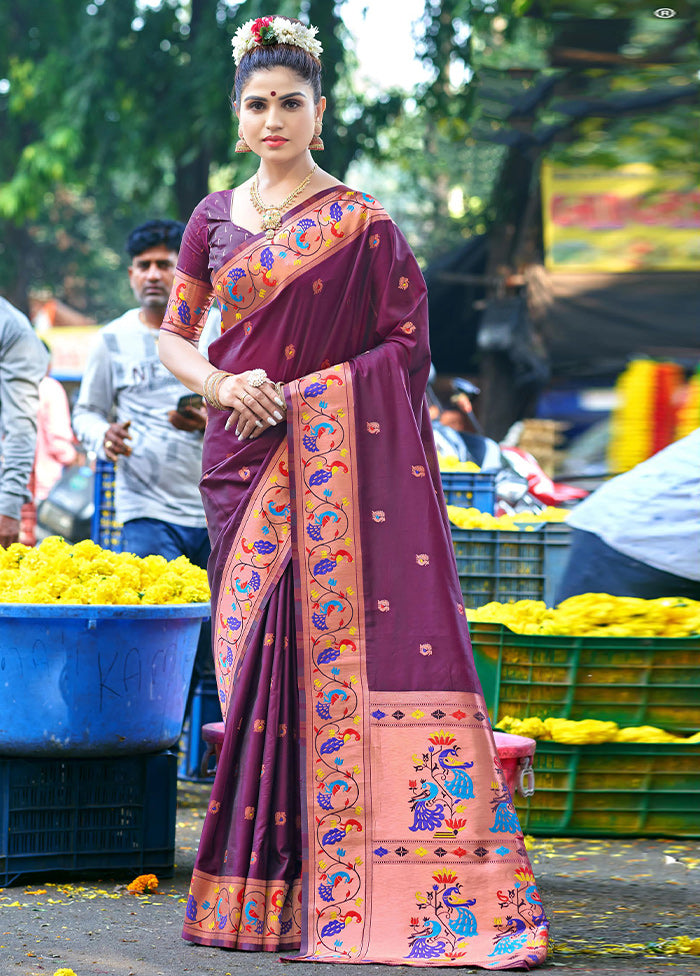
496, 564
628, 680
613, 789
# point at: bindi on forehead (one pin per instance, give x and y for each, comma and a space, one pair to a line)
273, 93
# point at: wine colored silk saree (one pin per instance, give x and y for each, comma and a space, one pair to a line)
359, 811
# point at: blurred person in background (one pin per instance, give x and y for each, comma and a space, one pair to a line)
639, 533
127, 412
132, 411
56, 449
23, 363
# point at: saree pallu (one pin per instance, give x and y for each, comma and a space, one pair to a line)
359, 811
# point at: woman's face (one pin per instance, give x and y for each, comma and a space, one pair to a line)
277, 114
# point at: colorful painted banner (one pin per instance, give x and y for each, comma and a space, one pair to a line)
632, 218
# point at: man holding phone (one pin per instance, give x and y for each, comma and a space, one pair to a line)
131, 410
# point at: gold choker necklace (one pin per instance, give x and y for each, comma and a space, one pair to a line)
272, 216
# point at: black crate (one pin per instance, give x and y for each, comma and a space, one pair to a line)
81, 816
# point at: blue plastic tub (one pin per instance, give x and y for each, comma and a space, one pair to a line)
94, 680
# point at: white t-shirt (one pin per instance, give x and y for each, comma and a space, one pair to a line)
124, 379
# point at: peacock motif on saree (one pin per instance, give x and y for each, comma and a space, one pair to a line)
438, 798
444, 921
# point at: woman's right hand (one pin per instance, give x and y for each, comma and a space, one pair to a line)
254, 408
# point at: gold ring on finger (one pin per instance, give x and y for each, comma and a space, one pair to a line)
244, 397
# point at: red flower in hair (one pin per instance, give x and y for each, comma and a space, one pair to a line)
258, 28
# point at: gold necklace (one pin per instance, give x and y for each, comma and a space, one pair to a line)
272, 216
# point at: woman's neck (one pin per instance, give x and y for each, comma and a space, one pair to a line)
284, 175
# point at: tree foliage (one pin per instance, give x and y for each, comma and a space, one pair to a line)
114, 111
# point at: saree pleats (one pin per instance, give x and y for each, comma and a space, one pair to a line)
246, 888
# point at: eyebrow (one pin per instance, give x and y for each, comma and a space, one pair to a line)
263, 98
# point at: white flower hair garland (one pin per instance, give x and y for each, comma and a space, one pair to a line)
274, 30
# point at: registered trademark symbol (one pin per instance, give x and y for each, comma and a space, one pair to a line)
665, 13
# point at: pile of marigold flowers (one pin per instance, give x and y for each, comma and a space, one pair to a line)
596, 615
588, 731
449, 463
57, 572
472, 518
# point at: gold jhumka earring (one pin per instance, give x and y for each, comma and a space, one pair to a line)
317, 141
242, 146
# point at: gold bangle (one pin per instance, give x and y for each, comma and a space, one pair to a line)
211, 385
215, 387
206, 388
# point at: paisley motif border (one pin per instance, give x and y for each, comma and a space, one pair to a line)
263, 268
244, 913
256, 561
335, 693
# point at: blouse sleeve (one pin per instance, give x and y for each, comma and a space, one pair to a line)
192, 292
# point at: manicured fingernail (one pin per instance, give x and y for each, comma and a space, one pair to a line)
227, 425
241, 437
271, 422
259, 423
280, 403
278, 414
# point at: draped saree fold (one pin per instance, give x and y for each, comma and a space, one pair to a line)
359, 811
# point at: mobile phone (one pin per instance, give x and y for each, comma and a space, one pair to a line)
189, 400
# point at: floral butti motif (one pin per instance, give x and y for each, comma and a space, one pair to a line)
439, 793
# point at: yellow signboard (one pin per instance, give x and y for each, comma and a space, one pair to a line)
632, 218
69, 347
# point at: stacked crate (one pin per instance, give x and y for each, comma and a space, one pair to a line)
543, 439
502, 565
612, 788
80, 816
106, 531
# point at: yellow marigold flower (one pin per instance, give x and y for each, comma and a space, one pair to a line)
143, 883
65, 972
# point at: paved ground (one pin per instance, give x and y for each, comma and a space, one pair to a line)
598, 894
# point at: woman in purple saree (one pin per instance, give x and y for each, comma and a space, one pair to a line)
353, 813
